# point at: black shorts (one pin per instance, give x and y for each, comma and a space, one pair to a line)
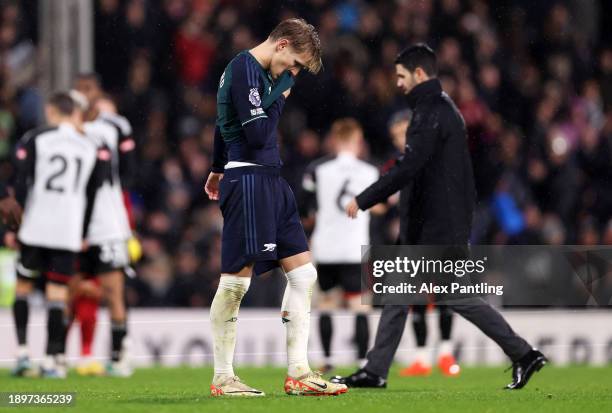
347, 276
56, 265
261, 224
100, 259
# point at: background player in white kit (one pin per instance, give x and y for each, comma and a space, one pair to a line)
58, 173
107, 253
336, 242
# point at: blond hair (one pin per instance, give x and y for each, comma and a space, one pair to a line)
303, 38
344, 129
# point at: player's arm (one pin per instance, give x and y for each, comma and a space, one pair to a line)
101, 172
307, 204
308, 201
258, 124
422, 138
284, 83
10, 210
127, 157
218, 165
219, 153
25, 160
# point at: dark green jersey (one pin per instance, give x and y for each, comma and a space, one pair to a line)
245, 126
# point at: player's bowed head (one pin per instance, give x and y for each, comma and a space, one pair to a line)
293, 45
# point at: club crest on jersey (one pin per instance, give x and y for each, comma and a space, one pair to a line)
254, 97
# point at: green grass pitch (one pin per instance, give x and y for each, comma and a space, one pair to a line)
175, 390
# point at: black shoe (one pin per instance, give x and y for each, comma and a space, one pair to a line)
361, 378
525, 367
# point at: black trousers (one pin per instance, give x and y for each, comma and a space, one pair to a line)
475, 310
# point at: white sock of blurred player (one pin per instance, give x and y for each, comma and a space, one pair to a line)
223, 317
445, 348
296, 317
422, 356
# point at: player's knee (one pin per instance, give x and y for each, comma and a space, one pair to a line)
302, 277
355, 304
23, 287
328, 301
229, 293
56, 292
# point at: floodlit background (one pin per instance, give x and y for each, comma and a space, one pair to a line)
533, 80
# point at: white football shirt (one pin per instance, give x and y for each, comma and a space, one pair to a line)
336, 180
63, 160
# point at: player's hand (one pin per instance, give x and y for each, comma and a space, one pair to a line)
352, 208
11, 212
10, 240
286, 93
84, 245
212, 185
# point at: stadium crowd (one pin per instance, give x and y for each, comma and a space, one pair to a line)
533, 81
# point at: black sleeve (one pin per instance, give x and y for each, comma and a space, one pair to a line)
127, 159
25, 161
421, 142
219, 154
101, 172
308, 193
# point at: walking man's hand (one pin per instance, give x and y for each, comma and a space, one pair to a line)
352, 208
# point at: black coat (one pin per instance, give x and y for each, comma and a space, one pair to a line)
435, 175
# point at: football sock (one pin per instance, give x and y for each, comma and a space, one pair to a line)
421, 355
419, 324
362, 335
21, 311
118, 333
55, 327
445, 348
326, 330
296, 317
223, 316
86, 309
446, 322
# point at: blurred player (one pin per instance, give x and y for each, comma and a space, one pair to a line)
262, 227
104, 262
421, 366
58, 173
336, 241
10, 210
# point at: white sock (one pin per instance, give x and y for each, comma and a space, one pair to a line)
422, 355
48, 362
445, 348
296, 317
22, 351
223, 316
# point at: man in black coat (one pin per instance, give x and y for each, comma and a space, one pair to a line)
437, 198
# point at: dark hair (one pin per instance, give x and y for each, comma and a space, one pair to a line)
63, 102
303, 37
418, 55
